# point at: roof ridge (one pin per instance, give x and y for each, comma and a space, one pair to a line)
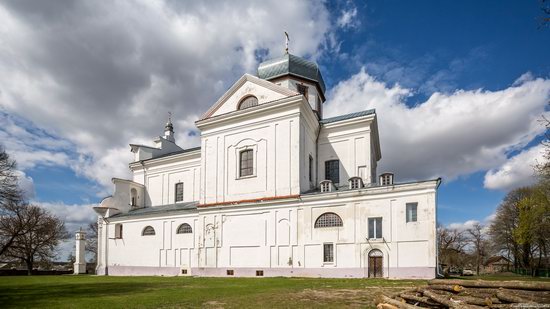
348, 116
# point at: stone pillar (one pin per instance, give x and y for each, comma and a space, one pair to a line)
80, 254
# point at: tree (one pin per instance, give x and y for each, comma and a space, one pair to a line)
9, 189
44, 232
91, 240
477, 239
451, 246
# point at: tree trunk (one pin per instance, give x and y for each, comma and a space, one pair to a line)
29, 267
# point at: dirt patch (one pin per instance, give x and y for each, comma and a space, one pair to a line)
346, 297
213, 304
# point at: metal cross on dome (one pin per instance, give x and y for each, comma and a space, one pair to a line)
287, 40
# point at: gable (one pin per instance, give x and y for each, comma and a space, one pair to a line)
247, 85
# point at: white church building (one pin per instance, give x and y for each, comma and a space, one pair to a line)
275, 189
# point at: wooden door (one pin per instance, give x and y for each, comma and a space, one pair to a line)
376, 265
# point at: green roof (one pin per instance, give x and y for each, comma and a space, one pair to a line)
347, 116
289, 64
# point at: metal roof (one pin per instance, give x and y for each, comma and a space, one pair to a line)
347, 116
164, 209
289, 64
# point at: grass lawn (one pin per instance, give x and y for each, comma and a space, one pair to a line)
184, 292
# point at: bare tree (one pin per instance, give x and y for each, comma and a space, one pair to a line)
9, 189
452, 243
477, 239
44, 232
91, 239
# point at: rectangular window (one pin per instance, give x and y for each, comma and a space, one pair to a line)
247, 163
332, 171
118, 230
179, 192
259, 273
310, 168
411, 212
184, 271
230, 272
375, 227
328, 253
303, 90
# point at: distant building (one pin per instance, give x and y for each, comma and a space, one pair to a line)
275, 189
497, 264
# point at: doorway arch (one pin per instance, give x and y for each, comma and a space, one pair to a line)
376, 264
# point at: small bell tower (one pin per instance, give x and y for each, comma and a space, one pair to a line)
169, 129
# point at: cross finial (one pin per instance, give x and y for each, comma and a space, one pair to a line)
169, 116
286, 43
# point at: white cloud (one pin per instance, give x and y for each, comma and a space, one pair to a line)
348, 18
462, 226
450, 134
99, 76
517, 171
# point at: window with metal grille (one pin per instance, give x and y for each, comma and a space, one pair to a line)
411, 212
310, 168
248, 101
375, 227
179, 192
247, 163
328, 253
230, 272
332, 171
184, 229
184, 271
328, 219
303, 90
148, 231
259, 273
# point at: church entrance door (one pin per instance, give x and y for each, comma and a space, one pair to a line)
376, 265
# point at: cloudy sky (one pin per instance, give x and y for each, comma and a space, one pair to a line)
458, 87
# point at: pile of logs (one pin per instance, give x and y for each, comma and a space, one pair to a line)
441, 293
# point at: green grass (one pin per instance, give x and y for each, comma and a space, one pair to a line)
186, 292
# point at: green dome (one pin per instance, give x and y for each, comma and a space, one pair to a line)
291, 65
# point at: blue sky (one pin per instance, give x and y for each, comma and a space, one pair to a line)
458, 86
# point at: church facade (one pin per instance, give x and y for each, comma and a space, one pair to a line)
275, 189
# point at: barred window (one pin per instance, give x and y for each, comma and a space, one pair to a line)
328, 253
179, 192
148, 231
184, 229
332, 171
328, 219
247, 163
248, 101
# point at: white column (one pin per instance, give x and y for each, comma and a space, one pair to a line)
80, 263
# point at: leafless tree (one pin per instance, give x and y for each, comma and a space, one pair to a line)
9, 189
44, 232
452, 243
91, 239
479, 246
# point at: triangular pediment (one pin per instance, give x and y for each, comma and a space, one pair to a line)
247, 85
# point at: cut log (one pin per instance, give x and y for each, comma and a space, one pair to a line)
447, 287
385, 306
511, 298
445, 300
523, 285
521, 305
417, 300
385, 299
474, 300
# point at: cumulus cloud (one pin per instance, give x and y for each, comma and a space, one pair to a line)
101, 75
450, 134
518, 171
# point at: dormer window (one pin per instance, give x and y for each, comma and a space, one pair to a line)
326, 186
248, 101
355, 183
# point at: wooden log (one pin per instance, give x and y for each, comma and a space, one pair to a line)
474, 300
418, 300
385, 306
521, 285
521, 305
511, 298
536, 296
445, 300
402, 305
447, 287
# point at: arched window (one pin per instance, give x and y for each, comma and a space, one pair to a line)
184, 229
148, 231
133, 195
328, 219
248, 101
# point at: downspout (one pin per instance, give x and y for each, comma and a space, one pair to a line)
438, 274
